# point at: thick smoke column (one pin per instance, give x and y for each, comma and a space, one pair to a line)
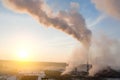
70, 22
78, 58
111, 7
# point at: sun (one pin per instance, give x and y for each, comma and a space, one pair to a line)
23, 55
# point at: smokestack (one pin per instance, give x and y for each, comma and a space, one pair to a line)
87, 64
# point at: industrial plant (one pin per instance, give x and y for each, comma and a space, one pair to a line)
80, 72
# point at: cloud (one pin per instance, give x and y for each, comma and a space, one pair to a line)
110, 7
74, 5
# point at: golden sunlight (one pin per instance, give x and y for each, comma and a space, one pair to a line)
23, 55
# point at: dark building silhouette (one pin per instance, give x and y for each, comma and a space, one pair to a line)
29, 78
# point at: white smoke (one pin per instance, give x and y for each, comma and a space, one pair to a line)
104, 52
78, 58
110, 7
70, 22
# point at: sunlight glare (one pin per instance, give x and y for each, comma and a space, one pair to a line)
23, 55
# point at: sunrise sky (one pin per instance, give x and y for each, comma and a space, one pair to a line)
21, 33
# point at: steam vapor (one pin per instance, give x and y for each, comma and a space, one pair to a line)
78, 58
110, 7
104, 53
106, 50
70, 22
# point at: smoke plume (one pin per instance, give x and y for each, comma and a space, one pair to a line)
78, 58
70, 22
111, 7
104, 53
